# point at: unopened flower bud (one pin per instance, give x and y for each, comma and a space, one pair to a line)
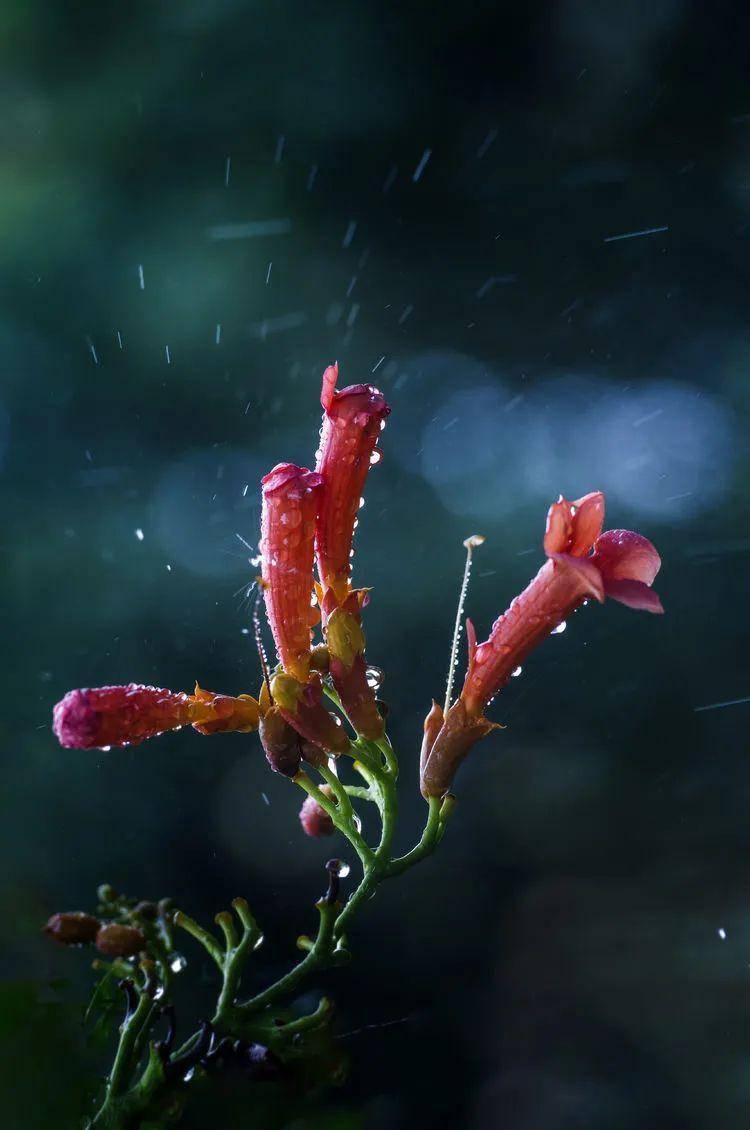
446, 743
116, 940
281, 742
319, 658
315, 820
73, 928
146, 910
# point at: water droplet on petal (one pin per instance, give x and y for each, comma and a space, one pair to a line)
516, 673
558, 631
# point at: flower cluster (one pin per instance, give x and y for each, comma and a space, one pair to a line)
308, 522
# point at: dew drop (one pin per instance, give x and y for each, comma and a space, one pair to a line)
344, 870
558, 631
516, 673
361, 503
374, 677
375, 457
177, 963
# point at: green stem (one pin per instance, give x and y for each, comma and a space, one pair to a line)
124, 1063
344, 803
317, 956
207, 940
346, 827
386, 749
426, 845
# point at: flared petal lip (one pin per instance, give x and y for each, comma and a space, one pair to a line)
284, 473
573, 527
634, 594
334, 400
622, 555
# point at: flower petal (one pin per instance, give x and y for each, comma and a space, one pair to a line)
588, 520
635, 594
559, 527
622, 555
586, 572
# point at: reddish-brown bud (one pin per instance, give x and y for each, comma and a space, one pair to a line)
315, 820
302, 706
454, 738
117, 940
281, 743
290, 504
72, 928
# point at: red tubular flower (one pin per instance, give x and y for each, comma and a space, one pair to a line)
290, 504
100, 717
353, 420
582, 563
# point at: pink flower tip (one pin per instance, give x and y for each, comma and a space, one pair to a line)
76, 722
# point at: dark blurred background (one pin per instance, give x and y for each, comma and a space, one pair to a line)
530, 225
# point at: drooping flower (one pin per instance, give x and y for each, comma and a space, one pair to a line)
291, 497
582, 563
100, 717
353, 420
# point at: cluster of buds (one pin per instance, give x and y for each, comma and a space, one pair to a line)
307, 526
113, 939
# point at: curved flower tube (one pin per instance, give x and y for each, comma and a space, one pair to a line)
101, 717
582, 563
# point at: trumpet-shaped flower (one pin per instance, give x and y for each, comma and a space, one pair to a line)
582, 563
